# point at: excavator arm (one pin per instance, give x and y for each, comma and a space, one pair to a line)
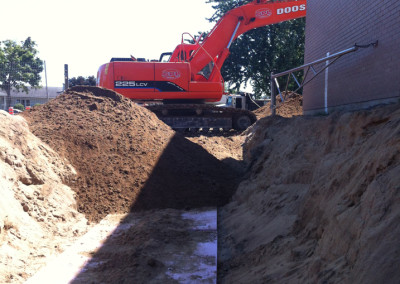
237, 21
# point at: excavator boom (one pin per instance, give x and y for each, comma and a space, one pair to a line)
240, 20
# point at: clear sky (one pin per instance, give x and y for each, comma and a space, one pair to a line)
86, 33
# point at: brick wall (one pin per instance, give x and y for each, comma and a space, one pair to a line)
362, 78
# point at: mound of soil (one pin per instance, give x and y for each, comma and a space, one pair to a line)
126, 158
38, 215
321, 204
229, 150
292, 106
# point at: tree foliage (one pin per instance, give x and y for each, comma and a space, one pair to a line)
19, 66
19, 106
82, 81
257, 53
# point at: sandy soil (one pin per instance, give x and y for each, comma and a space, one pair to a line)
292, 106
321, 204
38, 215
316, 199
227, 149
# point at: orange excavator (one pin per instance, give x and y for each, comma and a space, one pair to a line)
180, 85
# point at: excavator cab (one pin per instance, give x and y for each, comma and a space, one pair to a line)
183, 52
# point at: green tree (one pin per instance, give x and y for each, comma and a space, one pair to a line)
19, 66
82, 81
257, 53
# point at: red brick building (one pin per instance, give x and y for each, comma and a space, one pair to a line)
362, 78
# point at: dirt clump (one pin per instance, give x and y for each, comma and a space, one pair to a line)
292, 106
321, 204
126, 158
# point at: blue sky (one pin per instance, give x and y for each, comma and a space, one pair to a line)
86, 33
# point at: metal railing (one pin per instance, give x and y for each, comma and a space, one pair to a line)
309, 66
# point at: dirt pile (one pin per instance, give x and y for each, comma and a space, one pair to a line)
227, 149
321, 205
126, 159
38, 215
292, 106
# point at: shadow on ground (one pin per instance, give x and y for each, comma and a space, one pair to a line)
136, 251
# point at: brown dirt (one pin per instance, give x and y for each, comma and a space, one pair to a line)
127, 159
321, 205
228, 150
292, 106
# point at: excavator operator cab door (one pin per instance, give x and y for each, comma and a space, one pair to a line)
165, 56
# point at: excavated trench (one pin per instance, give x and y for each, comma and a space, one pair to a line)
132, 166
300, 199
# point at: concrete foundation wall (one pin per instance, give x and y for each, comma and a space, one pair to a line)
362, 78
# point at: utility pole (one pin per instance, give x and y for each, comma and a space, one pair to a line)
273, 95
45, 75
66, 84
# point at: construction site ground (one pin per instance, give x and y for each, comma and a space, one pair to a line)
97, 185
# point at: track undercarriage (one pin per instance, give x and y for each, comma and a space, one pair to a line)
203, 117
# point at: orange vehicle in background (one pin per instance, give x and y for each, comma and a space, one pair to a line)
179, 87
